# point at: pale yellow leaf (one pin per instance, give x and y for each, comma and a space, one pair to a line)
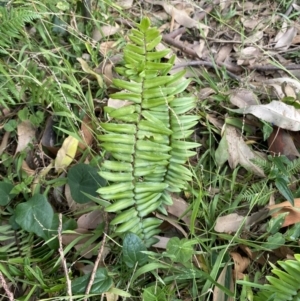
85, 67
26, 135
66, 154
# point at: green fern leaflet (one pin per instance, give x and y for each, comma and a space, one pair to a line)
286, 285
147, 138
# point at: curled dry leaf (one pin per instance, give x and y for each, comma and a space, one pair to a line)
233, 148
294, 212
277, 113
240, 265
73, 206
86, 134
27, 169
85, 67
224, 280
125, 4
285, 41
91, 220
230, 223
4, 142
104, 31
180, 16
243, 98
254, 38
26, 135
66, 154
49, 137
281, 143
179, 208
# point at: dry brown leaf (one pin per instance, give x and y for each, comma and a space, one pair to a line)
86, 134
253, 22
90, 220
285, 40
294, 212
27, 169
125, 4
4, 142
240, 265
248, 55
281, 143
179, 207
108, 47
218, 293
230, 223
243, 98
223, 53
68, 238
239, 152
73, 206
26, 135
116, 103
104, 31
85, 67
180, 16
162, 242
254, 38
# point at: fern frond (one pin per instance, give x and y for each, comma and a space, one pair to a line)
258, 193
286, 285
146, 139
12, 22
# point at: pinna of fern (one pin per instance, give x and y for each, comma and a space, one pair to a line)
285, 286
147, 138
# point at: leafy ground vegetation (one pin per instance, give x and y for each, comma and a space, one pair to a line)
149, 150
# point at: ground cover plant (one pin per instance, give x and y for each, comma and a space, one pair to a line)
149, 150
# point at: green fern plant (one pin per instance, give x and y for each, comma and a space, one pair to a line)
146, 139
285, 286
12, 23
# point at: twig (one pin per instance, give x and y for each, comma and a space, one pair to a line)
10, 295
274, 68
63, 260
89, 286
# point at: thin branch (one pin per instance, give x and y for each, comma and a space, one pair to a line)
99, 257
63, 260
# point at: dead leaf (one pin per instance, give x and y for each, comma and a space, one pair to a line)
26, 135
104, 31
294, 212
179, 208
277, 113
243, 98
85, 67
238, 151
125, 4
4, 142
223, 53
180, 16
240, 265
285, 41
66, 154
116, 103
91, 220
230, 223
27, 169
86, 134
49, 137
162, 242
281, 143
218, 293
254, 38
73, 206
